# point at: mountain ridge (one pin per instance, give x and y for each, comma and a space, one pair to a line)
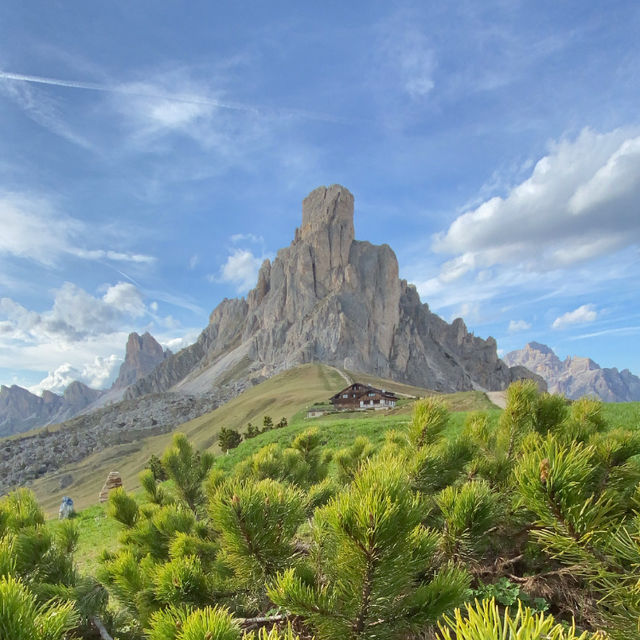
577, 376
330, 298
21, 410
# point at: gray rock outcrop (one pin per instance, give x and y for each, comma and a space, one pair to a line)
575, 377
21, 410
143, 354
330, 298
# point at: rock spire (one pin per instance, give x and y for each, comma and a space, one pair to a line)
333, 299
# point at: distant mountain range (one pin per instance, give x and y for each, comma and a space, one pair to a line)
21, 410
575, 377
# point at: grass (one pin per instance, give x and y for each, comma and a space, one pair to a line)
97, 532
339, 430
286, 395
622, 414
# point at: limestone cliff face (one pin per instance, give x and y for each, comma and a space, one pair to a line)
21, 410
330, 298
143, 354
575, 377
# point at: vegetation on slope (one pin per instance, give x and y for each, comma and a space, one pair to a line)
383, 537
285, 395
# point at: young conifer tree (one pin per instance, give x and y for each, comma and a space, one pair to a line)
187, 468
376, 574
41, 595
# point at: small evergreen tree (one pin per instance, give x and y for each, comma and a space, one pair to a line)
283, 423
350, 459
36, 569
257, 522
158, 471
252, 431
23, 618
228, 439
187, 468
376, 573
267, 423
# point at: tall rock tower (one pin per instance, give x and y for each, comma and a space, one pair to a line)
333, 299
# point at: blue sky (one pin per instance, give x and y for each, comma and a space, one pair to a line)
153, 153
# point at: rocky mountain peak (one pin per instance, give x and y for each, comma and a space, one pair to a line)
333, 299
576, 376
143, 354
327, 223
78, 394
539, 347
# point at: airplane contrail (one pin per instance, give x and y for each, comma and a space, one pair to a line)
173, 97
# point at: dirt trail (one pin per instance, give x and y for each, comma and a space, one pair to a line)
498, 398
348, 380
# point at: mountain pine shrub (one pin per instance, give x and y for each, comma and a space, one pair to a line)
187, 468
484, 621
41, 594
468, 513
350, 459
22, 617
375, 570
257, 522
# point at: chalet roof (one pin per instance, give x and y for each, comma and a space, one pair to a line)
361, 389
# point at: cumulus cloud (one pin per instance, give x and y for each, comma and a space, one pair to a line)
581, 201
240, 269
582, 315
98, 374
518, 325
175, 344
75, 314
33, 228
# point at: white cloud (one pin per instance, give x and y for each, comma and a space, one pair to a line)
581, 201
74, 316
175, 344
624, 331
410, 58
248, 237
177, 103
518, 325
34, 229
41, 108
98, 374
240, 269
468, 311
193, 261
582, 315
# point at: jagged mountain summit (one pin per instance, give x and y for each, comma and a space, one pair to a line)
575, 377
143, 354
333, 299
21, 410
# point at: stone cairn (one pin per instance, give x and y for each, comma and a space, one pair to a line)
113, 481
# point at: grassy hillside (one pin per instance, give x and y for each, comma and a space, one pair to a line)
285, 395
339, 430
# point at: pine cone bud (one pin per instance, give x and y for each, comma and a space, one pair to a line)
545, 468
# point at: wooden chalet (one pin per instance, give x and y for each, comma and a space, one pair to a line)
362, 396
